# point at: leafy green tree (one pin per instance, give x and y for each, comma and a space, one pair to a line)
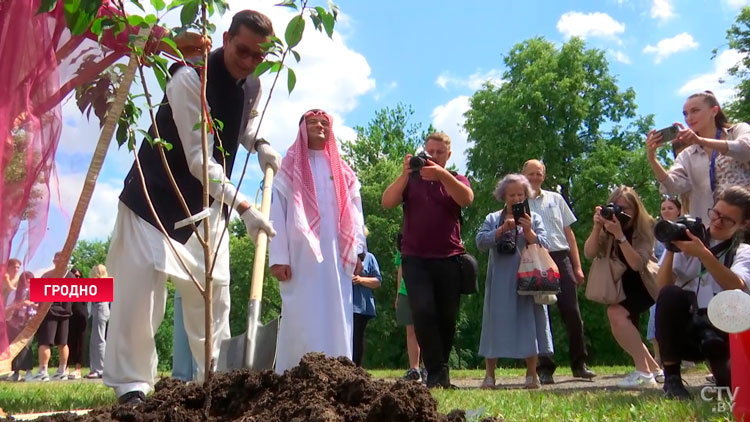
563, 106
89, 253
738, 37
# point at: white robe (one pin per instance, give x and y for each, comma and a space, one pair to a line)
316, 310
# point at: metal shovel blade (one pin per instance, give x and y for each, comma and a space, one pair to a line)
255, 348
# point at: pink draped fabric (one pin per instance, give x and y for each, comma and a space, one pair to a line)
296, 176
41, 63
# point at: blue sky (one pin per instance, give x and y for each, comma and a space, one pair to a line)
433, 55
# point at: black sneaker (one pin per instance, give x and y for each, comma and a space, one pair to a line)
413, 375
545, 378
675, 389
132, 398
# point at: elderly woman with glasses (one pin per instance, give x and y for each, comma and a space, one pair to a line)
690, 279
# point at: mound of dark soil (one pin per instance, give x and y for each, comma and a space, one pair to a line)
320, 389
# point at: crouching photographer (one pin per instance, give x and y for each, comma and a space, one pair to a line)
431, 248
697, 266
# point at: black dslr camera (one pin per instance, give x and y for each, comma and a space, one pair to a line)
506, 246
418, 160
613, 210
666, 231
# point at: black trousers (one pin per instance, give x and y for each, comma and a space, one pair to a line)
24, 360
360, 324
567, 304
434, 297
76, 339
685, 333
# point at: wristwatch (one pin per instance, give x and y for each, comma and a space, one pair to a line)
622, 239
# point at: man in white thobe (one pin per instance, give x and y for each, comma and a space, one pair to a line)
317, 213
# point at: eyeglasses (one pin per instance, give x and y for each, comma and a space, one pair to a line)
723, 219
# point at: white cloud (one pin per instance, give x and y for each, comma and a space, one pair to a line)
670, 46
737, 4
619, 56
449, 118
475, 81
589, 25
717, 80
662, 10
99, 220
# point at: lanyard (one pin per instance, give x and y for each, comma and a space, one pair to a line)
712, 169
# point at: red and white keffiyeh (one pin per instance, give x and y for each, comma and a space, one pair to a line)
295, 181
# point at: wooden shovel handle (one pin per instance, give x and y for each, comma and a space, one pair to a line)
261, 241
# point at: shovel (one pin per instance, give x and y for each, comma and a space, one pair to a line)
256, 348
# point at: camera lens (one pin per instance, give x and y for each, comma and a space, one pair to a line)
607, 212
666, 231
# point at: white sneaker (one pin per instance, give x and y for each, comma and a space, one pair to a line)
29, 376
59, 376
637, 379
40, 376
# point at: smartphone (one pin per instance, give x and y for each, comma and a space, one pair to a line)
668, 134
520, 209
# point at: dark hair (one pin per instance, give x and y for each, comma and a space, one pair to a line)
252, 20
314, 110
24, 282
709, 98
75, 270
674, 200
736, 196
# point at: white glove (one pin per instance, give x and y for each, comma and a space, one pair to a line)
267, 156
255, 221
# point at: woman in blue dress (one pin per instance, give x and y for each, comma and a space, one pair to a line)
513, 326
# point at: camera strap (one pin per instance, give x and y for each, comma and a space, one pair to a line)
725, 250
712, 169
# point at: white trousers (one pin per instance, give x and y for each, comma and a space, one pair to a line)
140, 295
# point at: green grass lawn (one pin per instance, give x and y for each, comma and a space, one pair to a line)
513, 405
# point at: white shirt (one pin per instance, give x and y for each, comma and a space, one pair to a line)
183, 93
687, 273
556, 216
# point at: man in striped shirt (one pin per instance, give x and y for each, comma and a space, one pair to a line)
557, 218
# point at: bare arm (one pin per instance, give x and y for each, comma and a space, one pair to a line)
394, 194
591, 247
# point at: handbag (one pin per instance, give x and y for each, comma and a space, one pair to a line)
605, 279
537, 272
469, 268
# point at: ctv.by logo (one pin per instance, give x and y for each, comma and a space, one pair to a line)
724, 397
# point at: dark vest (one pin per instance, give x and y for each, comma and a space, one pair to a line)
226, 99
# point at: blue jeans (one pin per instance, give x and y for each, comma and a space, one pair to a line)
183, 365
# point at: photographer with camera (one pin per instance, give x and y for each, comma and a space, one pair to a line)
626, 225
432, 198
697, 266
717, 154
513, 326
